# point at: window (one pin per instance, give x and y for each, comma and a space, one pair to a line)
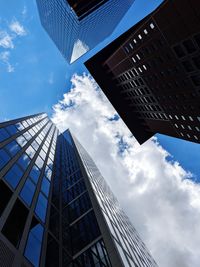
145, 31
138, 56
39, 162
197, 128
189, 46
41, 207
152, 26
5, 194
133, 59
3, 134
144, 67
11, 129
24, 161
190, 118
45, 187
30, 152
28, 191
34, 174
140, 36
195, 137
21, 140
183, 118
34, 243
13, 176
13, 228
189, 128
4, 158
13, 148
48, 172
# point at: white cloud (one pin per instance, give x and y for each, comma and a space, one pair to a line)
79, 49
4, 57
6, 40
161, 200
17, 28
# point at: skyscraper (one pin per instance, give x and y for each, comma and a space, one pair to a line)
76, 26
151, 73
55, 207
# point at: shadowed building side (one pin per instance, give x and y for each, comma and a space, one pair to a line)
151, 73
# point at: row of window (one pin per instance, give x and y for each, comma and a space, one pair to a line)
184, 118
130, 46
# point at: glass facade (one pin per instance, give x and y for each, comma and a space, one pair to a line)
78, 26
55, 207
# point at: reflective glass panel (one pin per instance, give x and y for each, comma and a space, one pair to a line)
11, 129
4, 158
13, 176
41, 207
45, 186
24, 161
34, 242
3, 134
35, 173
28, 191
13, 148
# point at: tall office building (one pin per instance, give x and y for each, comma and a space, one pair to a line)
55, 207
76, 26
151, 73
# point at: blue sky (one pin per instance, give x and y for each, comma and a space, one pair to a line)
39, 76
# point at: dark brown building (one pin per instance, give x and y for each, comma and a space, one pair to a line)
83, 8
151, 73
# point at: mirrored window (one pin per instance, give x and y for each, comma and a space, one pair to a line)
34, 243
13, 148
3, 134
11, 129
24, 161
14, 175
45, 187
28, 191
41, 207
34, 174
4, 158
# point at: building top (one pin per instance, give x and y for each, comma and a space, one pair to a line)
151, 73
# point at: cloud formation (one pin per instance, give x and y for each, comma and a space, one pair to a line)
17, 28
158, 195
4, 57
7, 42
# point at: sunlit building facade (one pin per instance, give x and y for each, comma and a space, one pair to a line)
151, 73
76, 26
55, 207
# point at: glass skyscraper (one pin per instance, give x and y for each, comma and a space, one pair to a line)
77, 26
55, 207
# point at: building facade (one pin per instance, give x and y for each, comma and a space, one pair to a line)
76, 26
151, 73
55, 207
